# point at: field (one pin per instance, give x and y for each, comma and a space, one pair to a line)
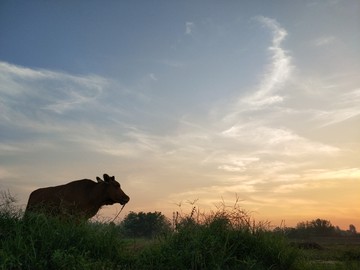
226, 239
332, 252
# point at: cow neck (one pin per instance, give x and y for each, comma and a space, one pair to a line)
100, 196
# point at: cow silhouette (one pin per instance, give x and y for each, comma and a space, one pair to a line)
80, 198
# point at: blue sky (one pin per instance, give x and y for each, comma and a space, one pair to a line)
185, 100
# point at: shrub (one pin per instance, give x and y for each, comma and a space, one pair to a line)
225, 239
148, 225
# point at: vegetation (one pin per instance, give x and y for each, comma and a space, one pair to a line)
40, 242
227, 238
325, 246
147, 225
316, 228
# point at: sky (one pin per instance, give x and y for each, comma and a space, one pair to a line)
184, 101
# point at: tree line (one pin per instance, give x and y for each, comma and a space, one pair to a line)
153, 224
317, 228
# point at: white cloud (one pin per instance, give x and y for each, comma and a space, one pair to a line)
56, 109
336, 104
340, 174
35, 90
268, 93
189, 26
336, 116
71, 100
153, 77
236, 163
278, 141
323, 41
172, 63
289, 188
279, 69
17, 71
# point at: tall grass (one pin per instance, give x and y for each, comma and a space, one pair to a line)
224, 239
40, 242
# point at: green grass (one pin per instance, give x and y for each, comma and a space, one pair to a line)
337, 253
40, 242
224, 239
218, 241
216, 246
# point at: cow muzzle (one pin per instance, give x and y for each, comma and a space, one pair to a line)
124, 200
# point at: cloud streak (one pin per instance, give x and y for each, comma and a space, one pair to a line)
52, 106
189, 26
277, 141
279, 69
277, 73
33, 92
259, 143
324, 41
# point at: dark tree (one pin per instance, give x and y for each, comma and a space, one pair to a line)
147, 225
352, 229
322, 227
316, 227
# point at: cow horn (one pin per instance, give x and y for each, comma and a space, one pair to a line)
106, 177
99, 179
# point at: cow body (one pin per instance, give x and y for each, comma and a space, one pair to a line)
81, 198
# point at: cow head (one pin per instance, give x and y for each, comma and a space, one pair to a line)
114, 192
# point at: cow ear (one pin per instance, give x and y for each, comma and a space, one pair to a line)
106, 177
99, 179
112, 178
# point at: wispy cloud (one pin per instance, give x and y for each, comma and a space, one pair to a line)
323, 41
189, 26
332, 117
256, 135
326, 174
153, 77
276, 141
278, 71
51, 105
337, 102
91, 112
172, 63
233, 162
269, 91
40, 90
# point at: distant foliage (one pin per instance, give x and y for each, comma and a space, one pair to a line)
7, 202
316, 228
319, 227
352, 229
148, 225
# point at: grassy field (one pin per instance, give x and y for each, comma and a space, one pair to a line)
227, 239
332, 253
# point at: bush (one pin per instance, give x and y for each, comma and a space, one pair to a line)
222, 240
148, 225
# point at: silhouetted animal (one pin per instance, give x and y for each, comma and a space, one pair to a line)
81, 198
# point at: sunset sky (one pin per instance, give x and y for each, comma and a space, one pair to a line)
186, 100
